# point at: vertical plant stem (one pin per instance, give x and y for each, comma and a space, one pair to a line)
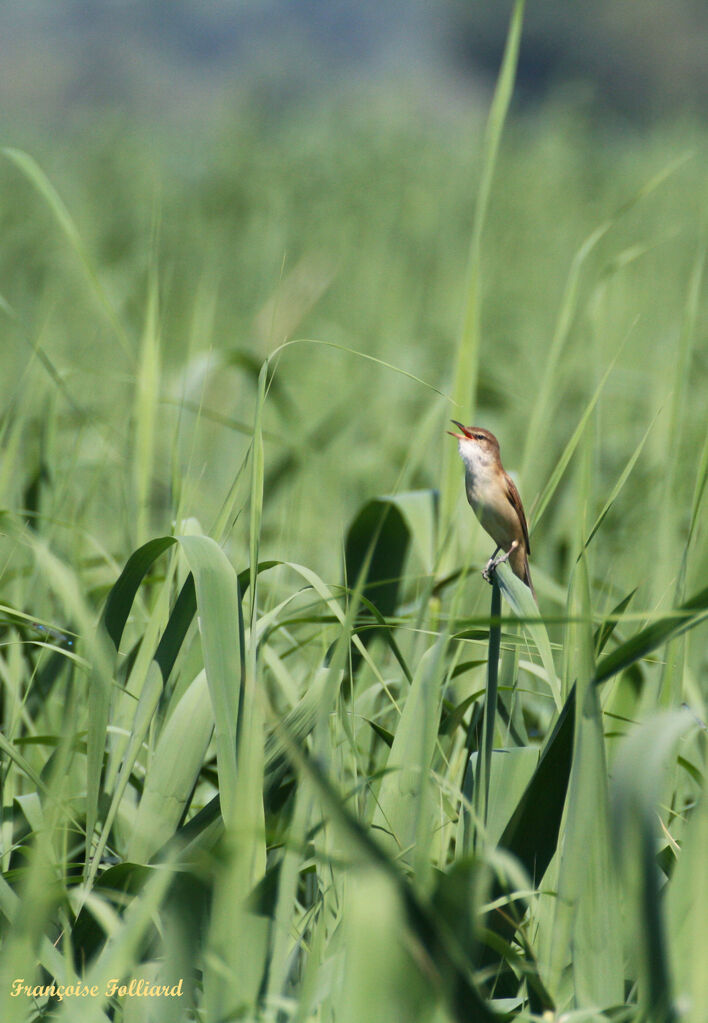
490, 706
464, 382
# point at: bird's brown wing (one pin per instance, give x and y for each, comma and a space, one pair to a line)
515, 501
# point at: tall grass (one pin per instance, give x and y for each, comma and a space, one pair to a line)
264, 739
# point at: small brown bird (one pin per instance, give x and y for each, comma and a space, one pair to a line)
495, 500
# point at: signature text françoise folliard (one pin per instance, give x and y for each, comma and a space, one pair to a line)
136, 988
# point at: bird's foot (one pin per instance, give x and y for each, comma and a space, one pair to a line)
491, 565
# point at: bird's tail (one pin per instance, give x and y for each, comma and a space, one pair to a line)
520, 566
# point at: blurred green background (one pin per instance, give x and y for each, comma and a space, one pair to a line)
187, 189
309, 170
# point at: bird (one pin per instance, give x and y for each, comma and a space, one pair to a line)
495, 500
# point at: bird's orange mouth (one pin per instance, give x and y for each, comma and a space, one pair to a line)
465, 435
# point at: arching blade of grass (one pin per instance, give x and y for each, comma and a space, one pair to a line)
172, 771
38, 179
521, 601
636, 795
257, 474
687, 916
216, 592
218, 605
568, 309
148, 703
122, 951
587, 909
691, 613
562, 463
113, 620
464, 380
669, 526
145, 412
403, 805
441, 953
624, 475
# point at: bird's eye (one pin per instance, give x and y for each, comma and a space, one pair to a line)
479, 436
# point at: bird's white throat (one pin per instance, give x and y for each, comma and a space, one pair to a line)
480, 471
478, 461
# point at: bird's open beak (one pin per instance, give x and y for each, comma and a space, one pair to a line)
465, 435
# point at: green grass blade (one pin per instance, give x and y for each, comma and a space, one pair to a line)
38, 179
687, 916
173, 770
624, 475
562, 463
587, 910
521, 601
257, 475
218, 607
636, 796
145, 413
438, 949
690, 614
402, 807
464, 380
490, 705
568, 309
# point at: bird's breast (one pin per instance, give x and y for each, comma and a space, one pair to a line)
488, 499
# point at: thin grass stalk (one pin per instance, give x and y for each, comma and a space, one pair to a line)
490, 702
464, 386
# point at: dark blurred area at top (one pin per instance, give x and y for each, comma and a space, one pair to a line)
187, 59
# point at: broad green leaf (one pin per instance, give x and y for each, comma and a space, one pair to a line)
511, 770
635, 801
121, 951
519, 597
402, 806
380, 535
587, 909
173, 770
687, 916
438, 948
381, 979
218, 604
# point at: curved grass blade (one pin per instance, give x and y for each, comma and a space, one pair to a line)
173, 770
521, 601
568, 309
36, 176
562, 464
691, 613
443, 956
464, 381
218, 604
113, 620
636, 795
624, 475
